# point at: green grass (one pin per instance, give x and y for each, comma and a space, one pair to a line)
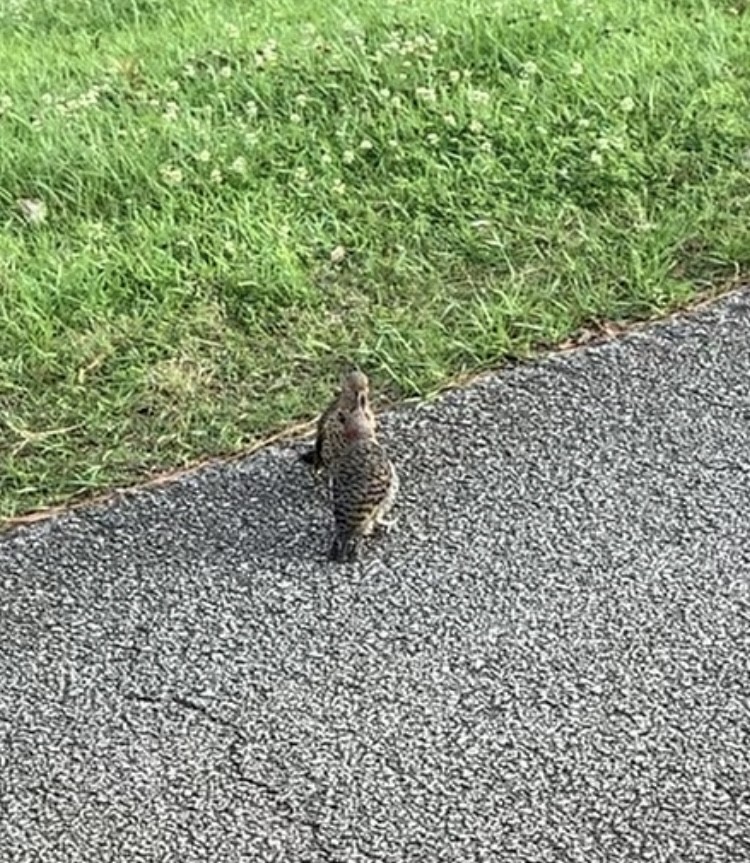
498, 174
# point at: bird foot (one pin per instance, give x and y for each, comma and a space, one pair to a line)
386, 524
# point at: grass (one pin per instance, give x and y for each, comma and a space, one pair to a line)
238, 203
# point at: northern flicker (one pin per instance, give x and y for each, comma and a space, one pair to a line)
364, 484
329, 440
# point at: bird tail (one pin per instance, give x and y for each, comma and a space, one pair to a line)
344, 548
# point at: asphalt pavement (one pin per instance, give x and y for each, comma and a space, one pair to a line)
547, 660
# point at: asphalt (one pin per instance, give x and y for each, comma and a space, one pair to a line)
547, 660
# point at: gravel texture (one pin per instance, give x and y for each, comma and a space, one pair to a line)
547, 660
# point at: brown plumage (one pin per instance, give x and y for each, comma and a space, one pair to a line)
364, 485
329, 440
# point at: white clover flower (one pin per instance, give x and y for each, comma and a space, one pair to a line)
204, 156
449, 120
326, 159
476, 127
225, 71
426, 93
266, 56
479, 97
171, 110
339, 187
96, 229
33, 210
295, 118
348, 157
89, 98
366, 145
454, 76
216, 176
432, 139
251, 109
576, 70
627, 104
596, 157
171, 175
239, 166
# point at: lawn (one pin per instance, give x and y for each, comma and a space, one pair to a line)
223, 203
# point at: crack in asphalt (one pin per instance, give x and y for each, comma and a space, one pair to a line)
271, 793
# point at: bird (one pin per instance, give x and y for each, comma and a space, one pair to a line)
364, 484
354, 393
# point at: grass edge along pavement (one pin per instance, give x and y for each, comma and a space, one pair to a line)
598, 333
201, 275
